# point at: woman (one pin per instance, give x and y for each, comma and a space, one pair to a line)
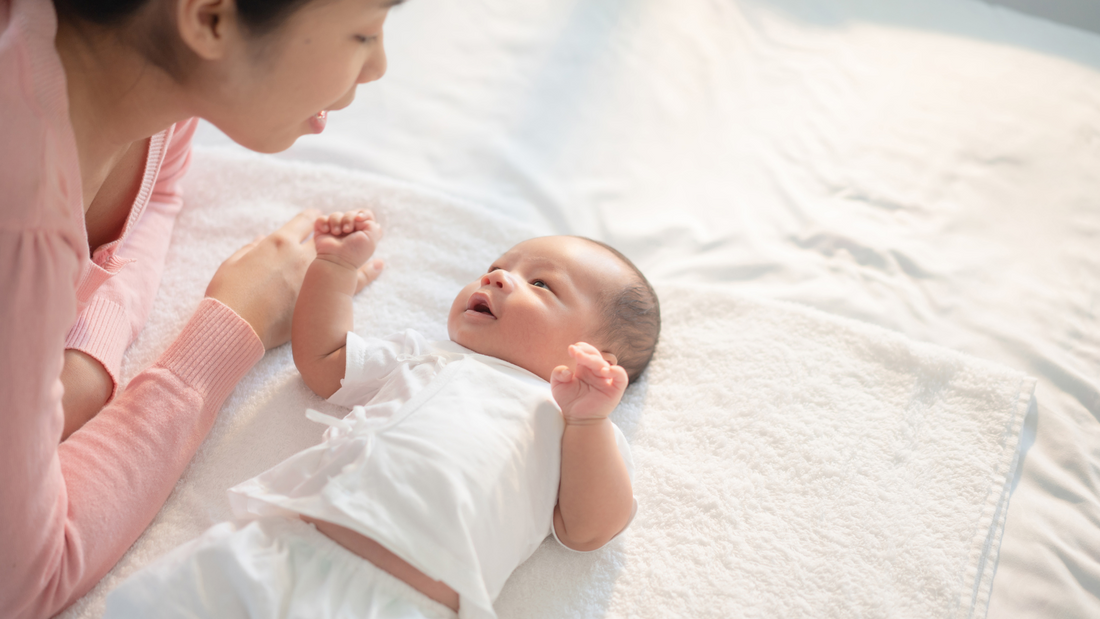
97, 107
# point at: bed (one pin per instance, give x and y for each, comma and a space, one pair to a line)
875, 229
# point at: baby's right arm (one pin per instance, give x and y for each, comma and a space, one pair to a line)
323, 313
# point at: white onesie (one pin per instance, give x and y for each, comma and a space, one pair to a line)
450, 459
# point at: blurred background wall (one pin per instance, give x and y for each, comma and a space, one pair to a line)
1079, 13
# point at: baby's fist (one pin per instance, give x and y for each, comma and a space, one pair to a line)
349, 237
592, 389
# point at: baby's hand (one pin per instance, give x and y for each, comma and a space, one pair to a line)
347, 238
592, 390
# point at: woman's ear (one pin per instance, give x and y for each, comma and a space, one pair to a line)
610, 358
206, 26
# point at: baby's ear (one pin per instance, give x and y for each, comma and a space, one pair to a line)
610, 358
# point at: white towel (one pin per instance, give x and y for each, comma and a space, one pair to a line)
789, 463
794, 464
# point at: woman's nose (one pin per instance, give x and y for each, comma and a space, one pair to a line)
375, 66
500, 279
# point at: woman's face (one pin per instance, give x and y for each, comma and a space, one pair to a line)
267, 91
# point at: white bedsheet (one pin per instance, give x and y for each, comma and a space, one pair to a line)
790, 463
930, 166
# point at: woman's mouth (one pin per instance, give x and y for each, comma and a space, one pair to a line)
317, 121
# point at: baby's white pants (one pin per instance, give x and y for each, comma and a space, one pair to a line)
266, 569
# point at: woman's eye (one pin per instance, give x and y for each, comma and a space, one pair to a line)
364, 39
540, 284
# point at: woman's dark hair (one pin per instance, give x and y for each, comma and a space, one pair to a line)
632, 319
260, 17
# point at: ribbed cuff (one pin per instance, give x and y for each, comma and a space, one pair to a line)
102, 332
215, 350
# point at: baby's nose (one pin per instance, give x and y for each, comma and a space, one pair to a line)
501, 279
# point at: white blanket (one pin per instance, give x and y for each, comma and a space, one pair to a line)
789, 463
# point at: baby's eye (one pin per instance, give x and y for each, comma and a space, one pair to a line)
540, 284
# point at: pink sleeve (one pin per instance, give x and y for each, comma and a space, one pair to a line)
69, 512
117, 311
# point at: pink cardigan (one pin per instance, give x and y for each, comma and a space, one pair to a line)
69, 511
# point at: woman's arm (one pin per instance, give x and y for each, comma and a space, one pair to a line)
69, 511
595, 498
117, 311
323, 314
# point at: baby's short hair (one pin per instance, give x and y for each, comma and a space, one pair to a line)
632, 319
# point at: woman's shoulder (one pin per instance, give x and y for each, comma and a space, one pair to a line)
39, 168
29, 64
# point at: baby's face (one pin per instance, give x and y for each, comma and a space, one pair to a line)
537, 299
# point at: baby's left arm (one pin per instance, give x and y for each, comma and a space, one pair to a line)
595, 498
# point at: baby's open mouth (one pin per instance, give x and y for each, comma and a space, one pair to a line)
479, 304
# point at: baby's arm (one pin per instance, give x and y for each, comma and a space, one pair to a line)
323, 313
595, 499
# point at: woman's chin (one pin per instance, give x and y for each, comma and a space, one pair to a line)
273, 142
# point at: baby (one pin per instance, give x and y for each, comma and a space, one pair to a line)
458, 457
